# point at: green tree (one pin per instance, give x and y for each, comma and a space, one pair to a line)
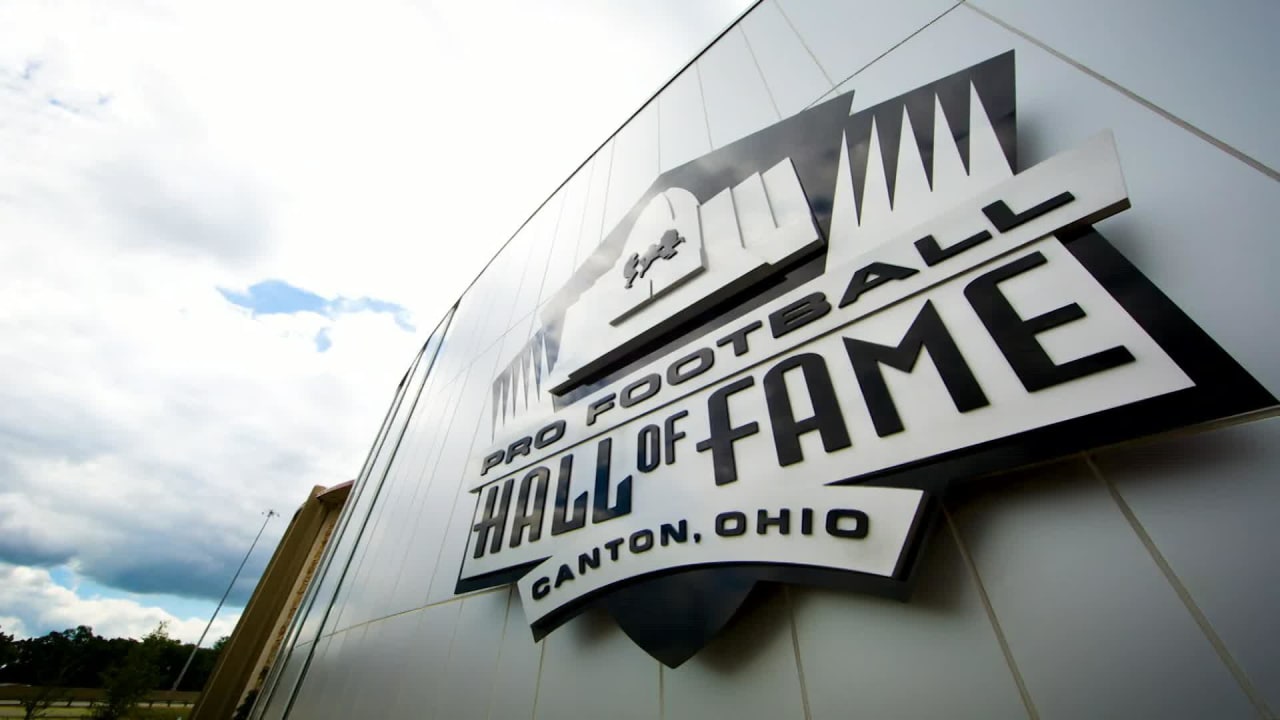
129, 682
45, 664
9, 648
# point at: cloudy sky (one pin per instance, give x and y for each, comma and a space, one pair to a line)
226, 227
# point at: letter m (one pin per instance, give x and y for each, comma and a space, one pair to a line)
926, 333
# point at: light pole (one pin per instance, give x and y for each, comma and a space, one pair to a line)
194, 650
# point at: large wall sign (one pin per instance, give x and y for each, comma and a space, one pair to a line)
790, 347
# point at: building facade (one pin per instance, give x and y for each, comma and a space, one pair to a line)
259, 633
895, 360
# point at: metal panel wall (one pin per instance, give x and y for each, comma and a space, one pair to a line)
1131, 582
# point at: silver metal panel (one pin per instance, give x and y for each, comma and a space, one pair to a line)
515, 679
422, 676
385, 564
426, 542
682, 122
792, 75
1092, 623
591, 669
635, 165
327, 590
389, 665
519, 252
1208, 503
365, 579
491, 295
359, 595
737, 101
454, 358
847, 35
1094, 627
454, 504
272, 705
748, 672
398, 563
501, 282
469, 677
1201, 222
347, 676
1209, 64
370, 671
564, 249
345, 551
317, 677
593, 229
457, 351
541, 234
935, 656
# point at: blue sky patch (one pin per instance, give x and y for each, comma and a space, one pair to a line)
181, 607
272, 297
277, 297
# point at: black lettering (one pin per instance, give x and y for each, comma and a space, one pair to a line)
1016, 337
490, 461
541, 587
601, 511
526, 517
731, 523
782, 522
641, 541
519, 447
738, 338
562, 521
926, 333
494, 520
798, 314
612, 547
806, 521
862, 524
589, 560
871, 277
724, 434
827, 418
932, 254
648, 448
597, 408
564, 576
1005, 219
549, 434
651, 383
670, 435
678, 371
674, 533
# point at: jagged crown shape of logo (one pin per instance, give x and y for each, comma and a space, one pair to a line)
704, 406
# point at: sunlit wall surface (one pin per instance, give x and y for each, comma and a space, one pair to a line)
1132, 582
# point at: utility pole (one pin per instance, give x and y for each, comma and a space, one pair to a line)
194, 650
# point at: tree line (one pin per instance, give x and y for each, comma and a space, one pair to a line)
127, 669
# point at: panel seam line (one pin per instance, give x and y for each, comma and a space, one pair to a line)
1180, 589
991, 616
760, 71
1203, 135
803, 44
497, 663
795, 646
706, 119
881, 56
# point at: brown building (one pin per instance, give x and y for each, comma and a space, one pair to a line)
244, 660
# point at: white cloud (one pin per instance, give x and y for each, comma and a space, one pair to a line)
37, 605
151, 153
